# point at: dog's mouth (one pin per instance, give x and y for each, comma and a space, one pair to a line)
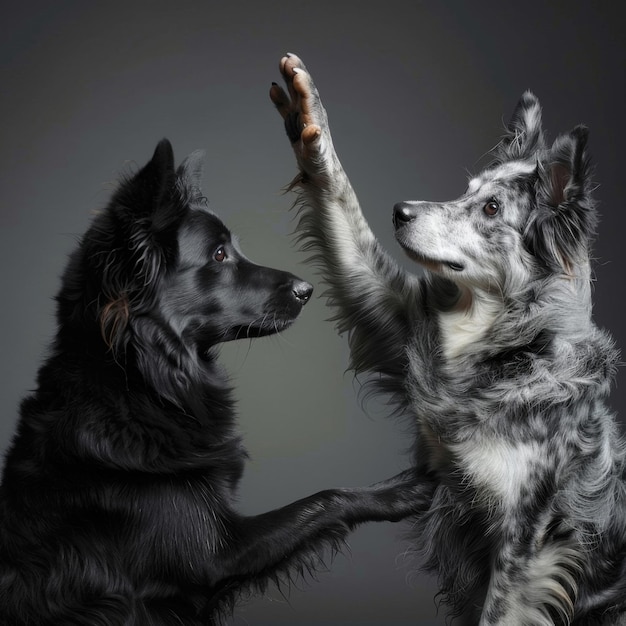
430, 263
262, 328
254, 330
435, 265
269, 324
456, 267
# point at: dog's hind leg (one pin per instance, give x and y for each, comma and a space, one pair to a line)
372, 293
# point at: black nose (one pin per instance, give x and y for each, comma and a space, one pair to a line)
403, 213
302, 290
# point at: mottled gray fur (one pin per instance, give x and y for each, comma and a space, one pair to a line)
494, 355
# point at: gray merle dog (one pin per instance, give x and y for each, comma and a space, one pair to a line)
495, 355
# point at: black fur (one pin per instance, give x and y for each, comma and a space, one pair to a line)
116, 500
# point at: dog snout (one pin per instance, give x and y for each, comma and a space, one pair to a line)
403, 213
302, 291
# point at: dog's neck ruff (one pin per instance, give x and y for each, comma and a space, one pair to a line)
467, 323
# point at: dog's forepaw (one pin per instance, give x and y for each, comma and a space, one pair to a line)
405, 495
301, 109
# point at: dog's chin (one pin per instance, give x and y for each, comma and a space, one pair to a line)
269, 327
448, 268
253, 330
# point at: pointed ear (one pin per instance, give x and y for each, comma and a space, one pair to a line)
565, 219
190, 175
524, 135
150, 202
139, 234
152, 186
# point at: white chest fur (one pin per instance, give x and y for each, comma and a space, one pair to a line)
498, 468
461, 328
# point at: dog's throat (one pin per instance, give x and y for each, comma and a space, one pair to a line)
461, 329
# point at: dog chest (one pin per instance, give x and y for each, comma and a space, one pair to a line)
500, 470
459, 330
497, 469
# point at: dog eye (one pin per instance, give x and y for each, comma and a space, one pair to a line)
491, 208
220, 254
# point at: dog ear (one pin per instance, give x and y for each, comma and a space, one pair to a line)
190, 176
140, 234
565, 219
524, 135
151, 187
152, 207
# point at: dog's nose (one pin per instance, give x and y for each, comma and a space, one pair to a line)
302, 290
403, 213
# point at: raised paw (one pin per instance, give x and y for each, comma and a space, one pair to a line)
301, 109
406, 494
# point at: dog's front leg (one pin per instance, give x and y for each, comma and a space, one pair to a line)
533, 583
372, 293
295, 536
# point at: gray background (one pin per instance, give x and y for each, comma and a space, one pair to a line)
416, 93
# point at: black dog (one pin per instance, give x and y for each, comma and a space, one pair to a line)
116, 501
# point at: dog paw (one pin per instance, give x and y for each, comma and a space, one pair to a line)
302, 111
407, 494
